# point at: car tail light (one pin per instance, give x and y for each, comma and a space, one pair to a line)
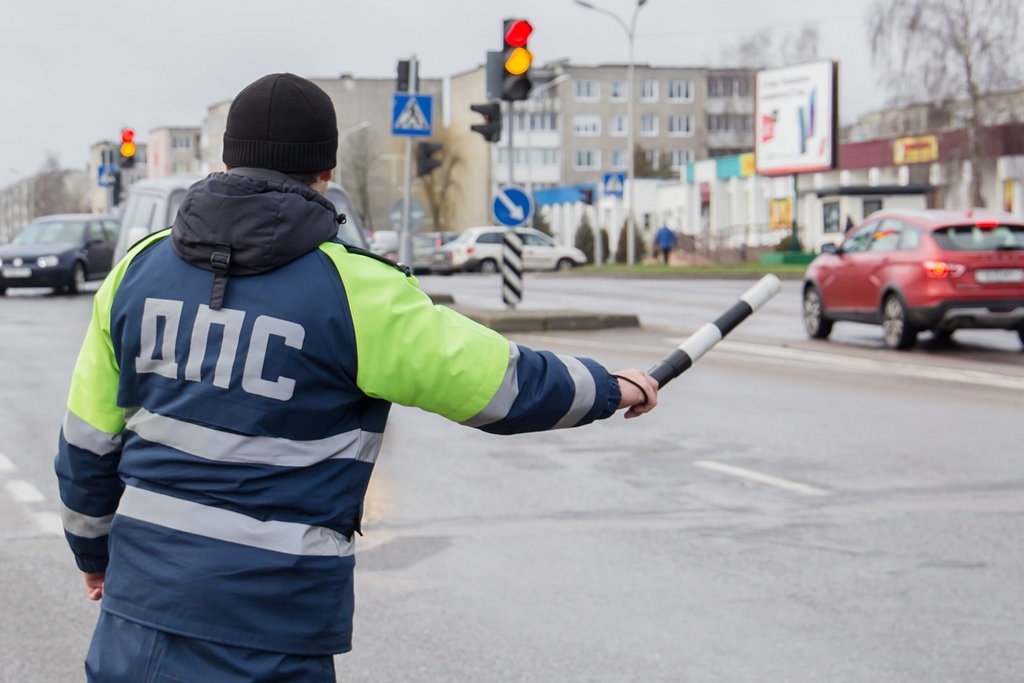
941, 269
986, 223
469, 250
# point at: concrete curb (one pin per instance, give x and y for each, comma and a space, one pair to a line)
547, 321
681, 275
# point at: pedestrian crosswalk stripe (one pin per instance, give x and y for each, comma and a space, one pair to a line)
412, 117
24, 492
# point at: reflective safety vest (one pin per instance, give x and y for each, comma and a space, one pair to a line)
214, 462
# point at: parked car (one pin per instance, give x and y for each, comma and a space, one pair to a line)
62, 252
153, 205
911, 271
424, 245
385, 243
479, 250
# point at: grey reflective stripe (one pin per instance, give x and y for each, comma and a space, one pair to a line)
232, 527
508, 392
84, 526
213, 444
81, 434
586, 392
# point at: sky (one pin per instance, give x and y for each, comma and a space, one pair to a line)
76, 72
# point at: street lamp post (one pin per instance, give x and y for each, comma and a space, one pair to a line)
630, 30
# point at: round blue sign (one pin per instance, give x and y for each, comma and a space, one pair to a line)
512, 206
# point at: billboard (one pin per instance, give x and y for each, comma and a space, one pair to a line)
796, 119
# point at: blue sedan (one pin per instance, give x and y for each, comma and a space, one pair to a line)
62, 252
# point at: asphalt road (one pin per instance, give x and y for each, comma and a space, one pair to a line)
792, 512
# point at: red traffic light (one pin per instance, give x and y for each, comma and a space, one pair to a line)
519, 33
127, 135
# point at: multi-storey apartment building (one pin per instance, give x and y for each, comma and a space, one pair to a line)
577, 131
173, 151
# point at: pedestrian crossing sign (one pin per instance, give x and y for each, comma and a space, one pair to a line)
413, 115
613, 184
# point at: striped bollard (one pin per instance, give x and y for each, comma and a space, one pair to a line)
704, 339
512, 269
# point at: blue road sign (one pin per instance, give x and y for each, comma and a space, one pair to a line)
413, 115
614, 184
105, 175
512, 206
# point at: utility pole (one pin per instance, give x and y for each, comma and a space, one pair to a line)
405, 244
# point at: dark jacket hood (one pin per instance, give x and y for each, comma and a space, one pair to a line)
254, 220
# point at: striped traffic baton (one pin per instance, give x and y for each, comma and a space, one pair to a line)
704, 339
512, 268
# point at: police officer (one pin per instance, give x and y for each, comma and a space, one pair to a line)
229, 402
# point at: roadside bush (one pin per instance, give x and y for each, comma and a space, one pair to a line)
786, 243
585, 240
621, 253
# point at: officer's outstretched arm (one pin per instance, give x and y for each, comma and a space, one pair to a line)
90, 442
413, 353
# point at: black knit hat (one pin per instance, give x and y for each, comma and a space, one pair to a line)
284, 123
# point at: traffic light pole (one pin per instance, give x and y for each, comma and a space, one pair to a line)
511, 148
405, 244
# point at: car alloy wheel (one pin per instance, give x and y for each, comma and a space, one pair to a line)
817, 326
899, 332
488, 266
77, 279
565, 264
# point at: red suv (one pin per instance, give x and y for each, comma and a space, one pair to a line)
912, 271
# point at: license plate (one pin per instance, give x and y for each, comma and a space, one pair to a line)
12, 273
999, 276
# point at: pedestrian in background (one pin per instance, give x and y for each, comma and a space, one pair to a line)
665, 240
230, 400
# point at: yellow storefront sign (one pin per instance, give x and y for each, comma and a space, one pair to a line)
780, 214
919, 150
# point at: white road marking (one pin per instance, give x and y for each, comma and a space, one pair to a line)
766, 479
24, 492
50, 523
6, 466
878, 367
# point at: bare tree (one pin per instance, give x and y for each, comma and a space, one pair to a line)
52, 192
440, 188
948, 50
362, 154
761, 50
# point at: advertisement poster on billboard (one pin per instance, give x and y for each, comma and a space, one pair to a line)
796, 119
780, 214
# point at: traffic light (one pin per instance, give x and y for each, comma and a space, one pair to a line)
425, 161
127, 148
402, 82
517, 58
491, 128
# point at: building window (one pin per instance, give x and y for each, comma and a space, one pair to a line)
720, 86
744, 123
179, 143
180, 167
544, 121
681, 157
618, 91
649, 91
652, 158
719, 122
587, 91
649, 126
617, 126
743, 87
680, 126
680, 91
619, 159
586, 125
587, 159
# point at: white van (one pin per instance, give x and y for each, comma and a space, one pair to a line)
153, 205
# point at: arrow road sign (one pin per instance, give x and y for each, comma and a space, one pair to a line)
613, 184
512, 206
413, 115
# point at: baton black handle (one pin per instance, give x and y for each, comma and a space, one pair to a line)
704, 339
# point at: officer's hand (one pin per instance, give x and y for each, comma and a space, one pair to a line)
639, 392
94, 584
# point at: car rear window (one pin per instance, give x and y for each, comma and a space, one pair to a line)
489, 238
973, 238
